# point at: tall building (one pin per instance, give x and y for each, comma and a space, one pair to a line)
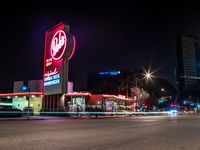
188, 66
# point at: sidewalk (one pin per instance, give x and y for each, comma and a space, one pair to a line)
60, 117
31, 118
98, 116
81, 116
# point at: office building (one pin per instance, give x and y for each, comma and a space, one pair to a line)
188, 66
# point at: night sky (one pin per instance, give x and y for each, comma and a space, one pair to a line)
110, 35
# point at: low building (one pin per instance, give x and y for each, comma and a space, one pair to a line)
32, 97
72, 101
86, 102
20, 100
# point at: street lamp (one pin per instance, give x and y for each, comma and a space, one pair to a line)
147, 76
136, 84
162, 92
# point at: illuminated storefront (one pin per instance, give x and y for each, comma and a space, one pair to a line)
86, 102
20, 101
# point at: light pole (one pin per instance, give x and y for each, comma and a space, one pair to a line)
147, 76
135, 90
162, 90
136, 93
127, 86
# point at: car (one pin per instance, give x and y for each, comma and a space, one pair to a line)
171, 109
143, 108
182, 109
28, 111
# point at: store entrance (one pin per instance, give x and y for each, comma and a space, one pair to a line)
78, 104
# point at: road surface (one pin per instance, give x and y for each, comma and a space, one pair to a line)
123, 133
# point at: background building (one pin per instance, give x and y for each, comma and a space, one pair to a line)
104, 82
131, 84
188, 66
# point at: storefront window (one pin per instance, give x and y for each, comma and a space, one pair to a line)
78, 104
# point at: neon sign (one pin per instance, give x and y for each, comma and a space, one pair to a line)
112, 73
50, 73
49, 62
51, 77
73, 49
58, 45
58, 50
51, 80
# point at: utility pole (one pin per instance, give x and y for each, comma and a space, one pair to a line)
127, 85
136, 94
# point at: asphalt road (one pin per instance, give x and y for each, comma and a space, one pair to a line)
130, 133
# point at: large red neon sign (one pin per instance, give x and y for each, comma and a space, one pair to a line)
59, 48
58, 45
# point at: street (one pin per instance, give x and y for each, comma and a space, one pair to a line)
164, 132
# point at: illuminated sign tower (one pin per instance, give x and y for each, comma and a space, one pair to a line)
59, 48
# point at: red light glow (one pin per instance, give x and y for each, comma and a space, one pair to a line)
58, 45
173, 105
74, 46
78, 94
50, 73
117, 97
20, 94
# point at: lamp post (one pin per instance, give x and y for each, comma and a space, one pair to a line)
147, 76
162, 91
136, 92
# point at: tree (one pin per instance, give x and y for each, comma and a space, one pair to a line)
140, 94
130, 80
144, 95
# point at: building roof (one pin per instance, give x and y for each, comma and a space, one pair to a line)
20, 94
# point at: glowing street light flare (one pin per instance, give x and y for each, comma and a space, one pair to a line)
148, 75
162, 89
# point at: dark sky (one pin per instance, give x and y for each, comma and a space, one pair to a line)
110, 35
